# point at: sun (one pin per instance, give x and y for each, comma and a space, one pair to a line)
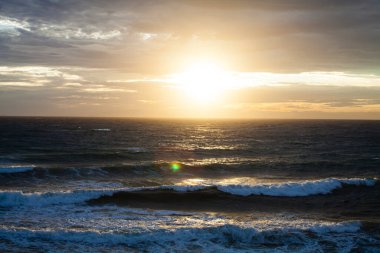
204, 81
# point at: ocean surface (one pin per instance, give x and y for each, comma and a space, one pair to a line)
134, 185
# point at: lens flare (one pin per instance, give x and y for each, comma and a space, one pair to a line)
175, 167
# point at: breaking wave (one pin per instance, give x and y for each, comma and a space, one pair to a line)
15, 168
289, 189
17, 198
226, 238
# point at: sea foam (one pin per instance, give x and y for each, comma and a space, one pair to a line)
15, 168
287, 189
225, 238
18, 198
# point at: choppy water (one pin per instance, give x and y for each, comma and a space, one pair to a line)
79, 185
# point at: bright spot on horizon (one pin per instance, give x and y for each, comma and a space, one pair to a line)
204, 82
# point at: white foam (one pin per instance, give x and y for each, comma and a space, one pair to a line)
102, 129
288, 189
16, 168
18, 198
294, 189
184, 188
92, 185
343, 227
88, 228
136, 150
225, 238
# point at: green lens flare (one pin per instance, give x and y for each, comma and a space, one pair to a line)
175, 167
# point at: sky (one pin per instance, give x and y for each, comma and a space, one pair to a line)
190, 58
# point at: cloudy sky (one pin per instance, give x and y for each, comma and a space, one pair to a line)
136, 58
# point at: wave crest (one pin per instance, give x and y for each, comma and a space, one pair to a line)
15, 169
226, 238
289, 189
17, 198
286, 189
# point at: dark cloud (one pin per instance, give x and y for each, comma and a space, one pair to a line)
274, 35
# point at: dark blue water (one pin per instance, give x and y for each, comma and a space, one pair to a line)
189, 185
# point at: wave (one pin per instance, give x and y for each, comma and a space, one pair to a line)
342, 227
136, 150
347, 197
102, 129
18, 198
16, 169
295, 189
290, 189
287, 189
226, 238
128, 168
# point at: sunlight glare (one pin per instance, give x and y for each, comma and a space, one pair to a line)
204, 81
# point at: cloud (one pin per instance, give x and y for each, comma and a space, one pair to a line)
56, 31
250, 79
107, 89
299, 106
291, 36
32, 76
147, 101
294, 56
11, 26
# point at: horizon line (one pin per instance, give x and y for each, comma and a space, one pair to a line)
188, 118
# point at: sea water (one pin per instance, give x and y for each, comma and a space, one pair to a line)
138, 185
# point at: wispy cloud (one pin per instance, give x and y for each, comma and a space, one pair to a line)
29, 76
107, 89
11, 26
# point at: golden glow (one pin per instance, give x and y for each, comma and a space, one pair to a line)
204, 81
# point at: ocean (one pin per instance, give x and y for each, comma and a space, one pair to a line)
139, 185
